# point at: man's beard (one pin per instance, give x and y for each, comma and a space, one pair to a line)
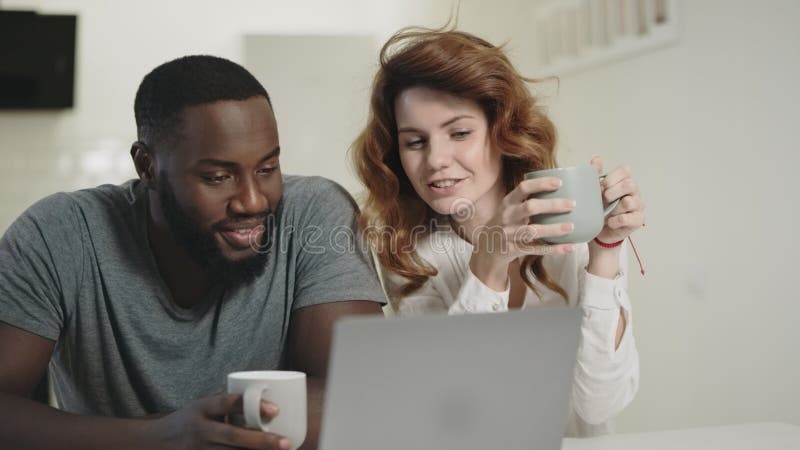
203, 248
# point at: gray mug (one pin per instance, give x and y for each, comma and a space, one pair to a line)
582, 184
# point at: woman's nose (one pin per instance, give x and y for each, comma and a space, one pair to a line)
440, 155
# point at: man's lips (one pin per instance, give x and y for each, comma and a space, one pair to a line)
242, 236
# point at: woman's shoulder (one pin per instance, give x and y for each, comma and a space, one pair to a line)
443, 250
447, 252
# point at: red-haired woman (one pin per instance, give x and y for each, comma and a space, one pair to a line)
452, 130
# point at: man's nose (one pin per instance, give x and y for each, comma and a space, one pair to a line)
249, 198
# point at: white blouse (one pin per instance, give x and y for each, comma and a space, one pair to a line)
606, 379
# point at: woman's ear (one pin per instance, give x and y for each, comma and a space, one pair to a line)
144, 163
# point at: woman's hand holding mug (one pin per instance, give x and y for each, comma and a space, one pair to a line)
628, 215
509, 234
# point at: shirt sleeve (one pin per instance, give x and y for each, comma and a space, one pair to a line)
333, 261
41, 257
606, 379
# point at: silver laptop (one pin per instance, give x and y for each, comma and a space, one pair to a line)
479, 381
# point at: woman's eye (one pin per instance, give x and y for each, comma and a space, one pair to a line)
460, 135
417, 143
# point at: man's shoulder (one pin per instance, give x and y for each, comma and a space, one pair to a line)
125, 193
53, 213
309, 187
65, 209
315, 192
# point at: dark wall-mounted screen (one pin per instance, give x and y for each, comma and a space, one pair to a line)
37, 60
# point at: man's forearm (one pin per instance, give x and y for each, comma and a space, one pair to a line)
31, 425
316, 399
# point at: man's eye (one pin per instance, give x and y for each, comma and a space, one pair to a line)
267, 170
215, 179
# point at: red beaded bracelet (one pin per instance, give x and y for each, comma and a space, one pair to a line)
617, 244
606, 245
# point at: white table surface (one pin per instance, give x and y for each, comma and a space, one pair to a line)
756, 436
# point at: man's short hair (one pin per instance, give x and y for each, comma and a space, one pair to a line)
183, 82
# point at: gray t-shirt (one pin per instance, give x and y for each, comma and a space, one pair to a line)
76, 268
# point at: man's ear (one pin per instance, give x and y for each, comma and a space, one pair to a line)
144, 163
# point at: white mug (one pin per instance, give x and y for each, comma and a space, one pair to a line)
582, 184
285, 389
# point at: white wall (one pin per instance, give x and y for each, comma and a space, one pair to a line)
320, 91
707, 126
120, 41
710, 128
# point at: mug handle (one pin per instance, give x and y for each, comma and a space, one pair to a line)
607, 210
252, 407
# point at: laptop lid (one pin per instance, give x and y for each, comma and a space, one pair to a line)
441, 382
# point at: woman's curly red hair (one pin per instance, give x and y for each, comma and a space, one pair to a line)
465, 66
